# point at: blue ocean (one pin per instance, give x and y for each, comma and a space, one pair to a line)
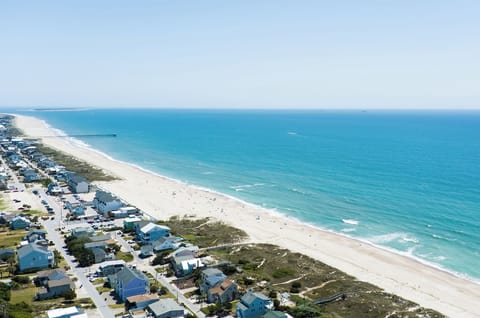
406, 181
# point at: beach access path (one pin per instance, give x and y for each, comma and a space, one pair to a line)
163, 197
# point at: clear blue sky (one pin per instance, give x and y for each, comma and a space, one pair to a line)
242, 54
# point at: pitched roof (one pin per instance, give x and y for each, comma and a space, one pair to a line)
250, 297
51, 273
75, 178
95, 244
126, 275
141, 298
222, 287
100, 238
38, 232
59, 282
29, 248
212, 272
104, 196
112, 263
163, 306
150, 226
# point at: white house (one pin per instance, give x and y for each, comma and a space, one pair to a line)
77, 184
152, 232
105, 202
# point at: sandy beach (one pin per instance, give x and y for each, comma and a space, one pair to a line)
163, 197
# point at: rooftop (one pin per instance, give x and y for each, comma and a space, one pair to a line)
163, 306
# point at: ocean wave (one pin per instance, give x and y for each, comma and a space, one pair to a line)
350, 221
348, 230
298, 191
391, 237
242, 187
206, 172
439, 237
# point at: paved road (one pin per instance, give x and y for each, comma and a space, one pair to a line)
57, 238
144, 263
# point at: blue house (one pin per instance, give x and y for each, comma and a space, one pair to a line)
35, 235
19, 223
253, 305
129, 282
210, 278
34, 256
152, 232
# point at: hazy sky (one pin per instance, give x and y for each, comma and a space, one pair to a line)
242, 54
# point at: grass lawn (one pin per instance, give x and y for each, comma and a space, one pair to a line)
11, 238
25, 294
98, 281
102, 289
115, 306
126, 256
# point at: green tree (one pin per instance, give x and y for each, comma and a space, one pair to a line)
69, 295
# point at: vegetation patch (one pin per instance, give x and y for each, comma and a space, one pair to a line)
11, 238
204, 232
126, 256
73, 164
271, 269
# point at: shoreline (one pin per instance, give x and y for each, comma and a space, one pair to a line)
270, 211
405, 276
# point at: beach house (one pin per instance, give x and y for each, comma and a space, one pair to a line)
74, 206
210, 277
77, 183
35, 235
253, 305
34, 256
53, 283
105, 202
140, 301
184, 261
19, 223
111, 267
129, 282
152, 232
7, 253
69, 312
166, 308
223, 292
82, 231
129, 222
166, 243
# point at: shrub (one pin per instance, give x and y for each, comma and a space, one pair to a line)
282, 272
69, 295
21, 279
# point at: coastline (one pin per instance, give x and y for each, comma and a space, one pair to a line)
406, 277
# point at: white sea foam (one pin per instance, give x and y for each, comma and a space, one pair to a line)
348, 230
350, 221
391, 237
297, 191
